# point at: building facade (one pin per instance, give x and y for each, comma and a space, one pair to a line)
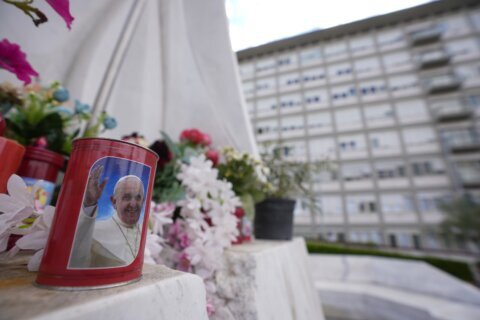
393, 102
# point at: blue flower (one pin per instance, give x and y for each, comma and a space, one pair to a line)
61, 94
64, 111
81, 107
110, 123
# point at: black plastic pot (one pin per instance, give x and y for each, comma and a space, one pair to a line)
274, 219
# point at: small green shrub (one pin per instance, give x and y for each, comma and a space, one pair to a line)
457, 269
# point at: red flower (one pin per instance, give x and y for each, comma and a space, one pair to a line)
206, 140
62, 7
196, 137
15, 61
213, 156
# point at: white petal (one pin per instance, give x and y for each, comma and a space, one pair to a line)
9, 204
48, 215
33, 241
17, 189
35, 260
4, 241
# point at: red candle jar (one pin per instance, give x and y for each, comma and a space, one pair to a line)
41, 166
11, 154
99, 230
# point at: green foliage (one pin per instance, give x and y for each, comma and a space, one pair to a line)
457, 269
248, 177
461, 219
290, 178
34, 114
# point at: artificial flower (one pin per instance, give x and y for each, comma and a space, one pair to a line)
81, 107
16, 207
36, 238
110, 123
213, 156
62, 7
61, 94
13, 59
164, 154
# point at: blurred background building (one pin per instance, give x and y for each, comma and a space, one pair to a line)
393, 102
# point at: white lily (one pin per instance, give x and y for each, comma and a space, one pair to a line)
36, 239
17, 206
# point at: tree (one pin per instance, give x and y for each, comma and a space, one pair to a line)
462, 219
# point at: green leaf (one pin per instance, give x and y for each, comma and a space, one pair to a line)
171, 145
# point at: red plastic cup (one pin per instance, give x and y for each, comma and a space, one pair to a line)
98, 241
11, 154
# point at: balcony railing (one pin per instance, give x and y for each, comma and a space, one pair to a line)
471, 180
433, 59
464, 145
444, 83
452, 112
425, 36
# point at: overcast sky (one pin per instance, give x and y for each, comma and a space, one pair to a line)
255, 22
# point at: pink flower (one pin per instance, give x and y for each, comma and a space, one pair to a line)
196, 137
15, 61
62, 7
184, 240
183, 262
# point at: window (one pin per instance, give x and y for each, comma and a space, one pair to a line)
265, 86
290, 103
325, 176
248, 88
290, 81
266, 107
372, 90
349, 119
336, 50
460, 137
385, 142
265, 66
322, 149
294, 150
314, 77
390, 39
311, 55
267, 128
397, 203
347, 144
342, 95
412, 111
463, 50
419, 136
292, 125
430, 201
367, 67
455, 26
340, 72
247, 69
427, 167
330, 205
379, 116
361, 204
286, 61
316, 99
404, 85
390, 169
361, 46
398, 61
468, 171
356, 171
319, 122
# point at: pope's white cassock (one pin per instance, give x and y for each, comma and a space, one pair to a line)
153, 64
104, 243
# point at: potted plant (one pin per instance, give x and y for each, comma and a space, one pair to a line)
289, 180
40, 119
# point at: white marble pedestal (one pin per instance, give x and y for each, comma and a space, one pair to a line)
162, 294
268, 280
